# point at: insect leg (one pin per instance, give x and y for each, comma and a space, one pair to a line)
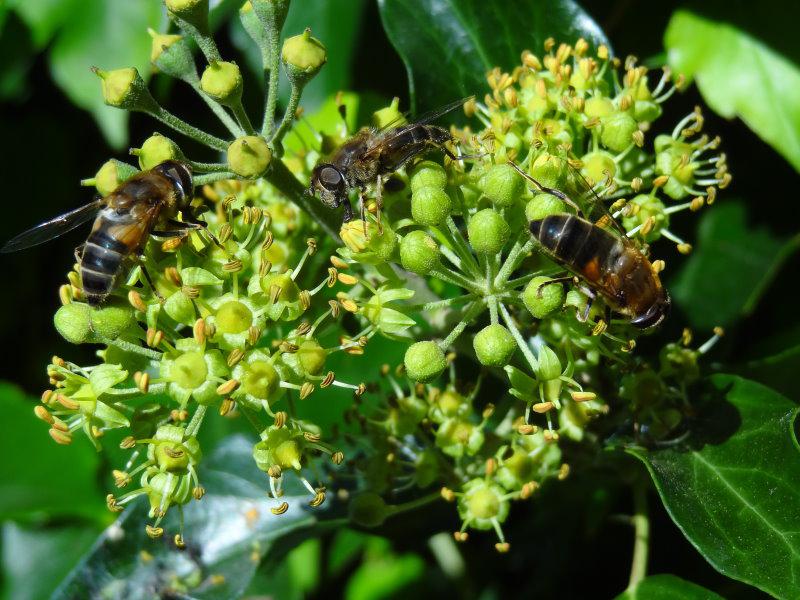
565, 279
149, 279
79, 253
590, 296
379, 201
553, 192
184, 227
347, 211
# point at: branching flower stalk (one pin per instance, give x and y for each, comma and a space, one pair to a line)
242, 319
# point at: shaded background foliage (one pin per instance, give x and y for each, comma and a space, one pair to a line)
740, 276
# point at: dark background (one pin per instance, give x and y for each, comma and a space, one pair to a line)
47, 145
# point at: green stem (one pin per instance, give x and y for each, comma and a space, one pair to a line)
201, 167
288, 116
516, 256
413, 504
133, 348
641, 544
430, 306
526, 351
231, 125
473, 311
456, 279
183, 127
465, 253
197, 419
242, 118
215, 176
271, 62
157, 388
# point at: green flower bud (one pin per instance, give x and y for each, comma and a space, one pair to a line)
223, 82
597, 166
155, 150
282, 447
404, 418
494, 346
516, 470
73, 322
419, 252
303, 57
427, 174
373, 248
542, 205
430, 205
458, 437
503, 185
368, 509
181, 308
249, 156
233, 317
193, 12
549, 365
259, 379
598, 106
617, 132
447, 405
189, 370
172, 55
311, 357
125, 89
112, 318
549, 170
487, 231
111, 175
389, 115
482, 504
646, 111
648, 207
541, 298
160, 43
424, 361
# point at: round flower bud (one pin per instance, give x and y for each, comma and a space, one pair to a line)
516, 470
111, 175
249, 156
457, 437
368, 509
427, 174
487, 231
503, 185
389, 115
172, 55
542, 205
618, 130
259, 379
73, 322
424, 361
494, 346
483, 504
542, 298
160, 43
549, 170
223, 82
233, 317
112, 318
193, 12
419, 252
597, 166
311, 357
189, 370
155, 150
430, 205
303, 56
598, 106
181, 308
646, 111
125, 88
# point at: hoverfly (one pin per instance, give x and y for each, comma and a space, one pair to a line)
371, 154
123, 220
605, 259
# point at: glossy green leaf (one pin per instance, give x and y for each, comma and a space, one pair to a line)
739, 76
667, 587
730, 267
109, 34
39, 477
731, 487
36, 559
448, 46
228, 534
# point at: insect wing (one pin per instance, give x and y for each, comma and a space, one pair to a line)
591, 204
53, 228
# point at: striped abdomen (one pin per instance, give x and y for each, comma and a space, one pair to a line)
616, 270
102, 258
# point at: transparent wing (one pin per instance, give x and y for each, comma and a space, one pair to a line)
591, 204
53, 228
426, 118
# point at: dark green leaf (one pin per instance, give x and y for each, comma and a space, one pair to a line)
37, 477
109, 34
44, 17
731, 487
739, 76
667, 587
730, 268
383, 574
228, 533
35, 560
448, 46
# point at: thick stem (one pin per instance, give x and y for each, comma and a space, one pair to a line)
272, 61
242, 118
218, 110
214, 176
197, 419
288, 116
641, 540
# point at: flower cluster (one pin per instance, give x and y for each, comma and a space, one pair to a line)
240, 316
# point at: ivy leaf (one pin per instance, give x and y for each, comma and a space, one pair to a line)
706, 288
449, 45
739, 76
228, 534
109, 34
667, 587
732, 486
33, 477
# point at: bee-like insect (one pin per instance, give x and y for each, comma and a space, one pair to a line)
371, 154
604, 258
126, 218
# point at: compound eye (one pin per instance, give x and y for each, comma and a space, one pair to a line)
330, 178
